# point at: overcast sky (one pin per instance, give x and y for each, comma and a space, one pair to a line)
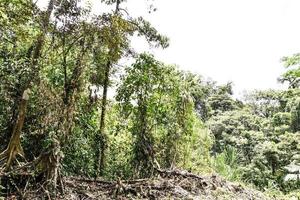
234, 40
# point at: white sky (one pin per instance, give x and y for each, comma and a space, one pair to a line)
234, 40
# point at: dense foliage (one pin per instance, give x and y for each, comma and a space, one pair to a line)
57, 117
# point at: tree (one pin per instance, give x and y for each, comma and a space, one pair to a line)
140, 86
292, 76
115, 38
14, 147
158, 100
266, 103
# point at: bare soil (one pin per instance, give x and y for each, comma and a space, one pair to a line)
173, 184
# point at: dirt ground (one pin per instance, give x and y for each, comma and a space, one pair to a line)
168, 185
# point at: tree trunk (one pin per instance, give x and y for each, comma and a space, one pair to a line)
102, 137
144, 151
14, 147
71, 85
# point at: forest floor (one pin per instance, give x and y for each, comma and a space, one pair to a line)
168, 185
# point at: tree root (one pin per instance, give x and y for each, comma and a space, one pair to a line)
9, 155
14, 147
43, 171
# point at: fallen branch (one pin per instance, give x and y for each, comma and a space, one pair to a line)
178, 173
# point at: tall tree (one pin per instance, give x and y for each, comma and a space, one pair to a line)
14, 147
158, 100
116, 31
